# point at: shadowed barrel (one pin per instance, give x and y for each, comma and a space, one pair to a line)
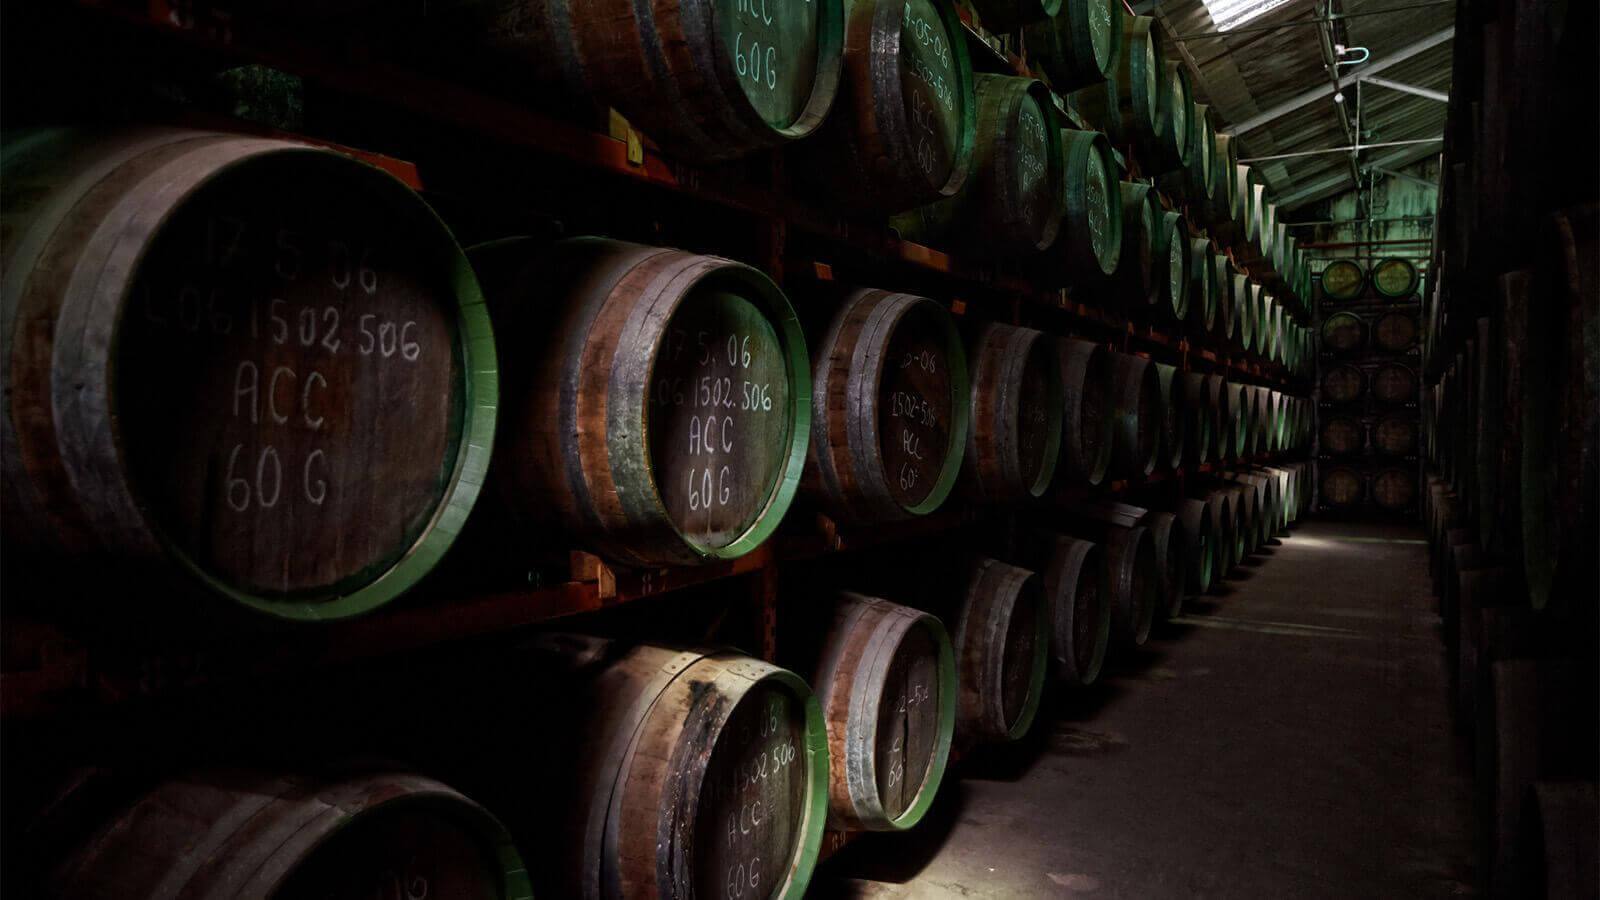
886, 681
1002, 641
891, 408
206, 336
1087, 418
706, 79
1078, 44
662, 417
903, 130
229, 833
1014, 441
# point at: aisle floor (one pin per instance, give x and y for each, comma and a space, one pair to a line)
1288, 737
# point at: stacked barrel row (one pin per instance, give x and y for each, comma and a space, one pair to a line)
1511, 415
1345, 280
1145, 104
1369, 423
655, 406
879, 112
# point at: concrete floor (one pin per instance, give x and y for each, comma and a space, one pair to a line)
1289, 737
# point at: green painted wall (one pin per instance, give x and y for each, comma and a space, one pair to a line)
1389, 198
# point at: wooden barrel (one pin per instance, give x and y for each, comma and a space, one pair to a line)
1133, 576
1534, 724
1171, 562
739, 79
1222, 270
1172, 256
1244, 317
1394, 489
663, 414
1394, 383
1075, 589
1201, 531
1241, 402
903, 130
1343, 384
1089, 242
1219, 396
1395, 436
1201, 172
229, 833
1011, 205
1205, 420
1395, 279
1343, 332
1555, 851
1087, 411
1176, 116
1136, 410
1135, 287
1015, 436
1224, 511
1395, 332
1243, 501
1077, 46
1343, 436
225, 355
692, 770
1174, 416
1002, 645
1560, 428
1009, 15
890, 408
1138, 78
1202, 285
1343, 280
886, 682
1343, 488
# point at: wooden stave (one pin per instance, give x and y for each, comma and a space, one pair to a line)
852, 715
559, 468
100, 176
1080, 361
257, 829
982, 627
837, 483
1071, 560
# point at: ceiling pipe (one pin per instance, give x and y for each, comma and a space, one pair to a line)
1346, 149
1296, 23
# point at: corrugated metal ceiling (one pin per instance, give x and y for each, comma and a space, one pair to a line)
1280, 73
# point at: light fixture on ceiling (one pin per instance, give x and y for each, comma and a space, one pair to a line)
1228, 13
1338, 97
